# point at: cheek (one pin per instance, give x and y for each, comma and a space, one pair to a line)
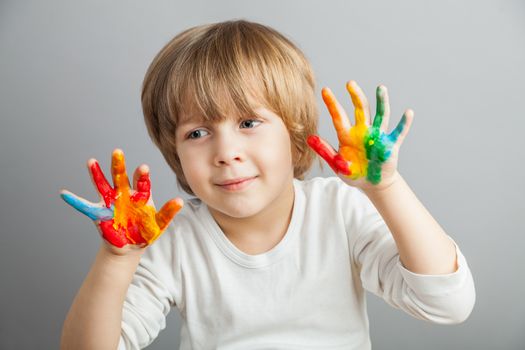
192, 167
278, 152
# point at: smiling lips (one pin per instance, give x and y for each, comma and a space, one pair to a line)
236, 184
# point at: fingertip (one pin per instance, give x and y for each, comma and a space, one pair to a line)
68, 197
410, 119
91, 162
326, 93
179, 202
351, 85
381, 90
355, 92
168, 212
403, 127
172, 206
312, 140
118, 161
144, 169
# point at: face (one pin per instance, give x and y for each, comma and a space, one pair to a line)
239, 167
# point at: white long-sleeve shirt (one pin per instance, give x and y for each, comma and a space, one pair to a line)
308, 292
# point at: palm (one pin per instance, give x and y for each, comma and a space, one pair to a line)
367, 156
124, 215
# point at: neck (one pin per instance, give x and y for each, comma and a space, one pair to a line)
260, 232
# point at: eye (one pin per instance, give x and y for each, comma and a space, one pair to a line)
250, 123
196, 134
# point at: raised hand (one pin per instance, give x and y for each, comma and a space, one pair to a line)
367, 156
124, 215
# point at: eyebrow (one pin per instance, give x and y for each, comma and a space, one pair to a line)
197, 119
189, 120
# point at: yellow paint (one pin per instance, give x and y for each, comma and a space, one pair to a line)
130, 213
354, 150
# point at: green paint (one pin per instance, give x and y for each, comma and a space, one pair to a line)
377, 147
377, 144
380, 109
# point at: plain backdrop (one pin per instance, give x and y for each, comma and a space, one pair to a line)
70, 79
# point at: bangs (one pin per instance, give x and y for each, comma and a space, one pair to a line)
214, 87
228, 73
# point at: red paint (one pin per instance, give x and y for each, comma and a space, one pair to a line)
104, 188
123, 235
134, 221
143, 189
118, 237
334, 159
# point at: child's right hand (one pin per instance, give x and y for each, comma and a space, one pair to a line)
125, 217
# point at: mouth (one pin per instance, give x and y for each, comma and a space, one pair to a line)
236, 184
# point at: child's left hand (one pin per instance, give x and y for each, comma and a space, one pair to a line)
367, 156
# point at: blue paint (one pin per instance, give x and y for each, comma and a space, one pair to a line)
93, 211
394, 135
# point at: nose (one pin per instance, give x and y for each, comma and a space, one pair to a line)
228, 149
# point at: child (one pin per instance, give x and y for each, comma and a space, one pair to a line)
260, 259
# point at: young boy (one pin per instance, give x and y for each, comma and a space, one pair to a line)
260, 259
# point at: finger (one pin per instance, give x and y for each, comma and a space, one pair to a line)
141, 184
118, 170
382, 116
92, 210
402, 128
362, 109
167, 212
339, 118
98, 178
327, 152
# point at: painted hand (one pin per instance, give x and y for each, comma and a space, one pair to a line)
123, 215
367, 156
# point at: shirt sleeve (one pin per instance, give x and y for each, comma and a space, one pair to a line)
443, 299
155, 288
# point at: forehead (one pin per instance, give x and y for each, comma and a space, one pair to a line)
194, 116
221, 108
189, 117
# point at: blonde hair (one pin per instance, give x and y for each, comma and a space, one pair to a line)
228, 64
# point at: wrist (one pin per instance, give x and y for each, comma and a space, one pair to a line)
120, 256
381, 189
113, 272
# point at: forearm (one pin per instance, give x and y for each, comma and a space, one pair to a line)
423, 245
94, 319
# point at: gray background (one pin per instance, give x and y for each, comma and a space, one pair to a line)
70, 77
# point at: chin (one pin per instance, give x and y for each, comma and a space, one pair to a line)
239, 210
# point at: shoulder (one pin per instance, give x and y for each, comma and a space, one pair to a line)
185, 222
192, 209
190, 216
